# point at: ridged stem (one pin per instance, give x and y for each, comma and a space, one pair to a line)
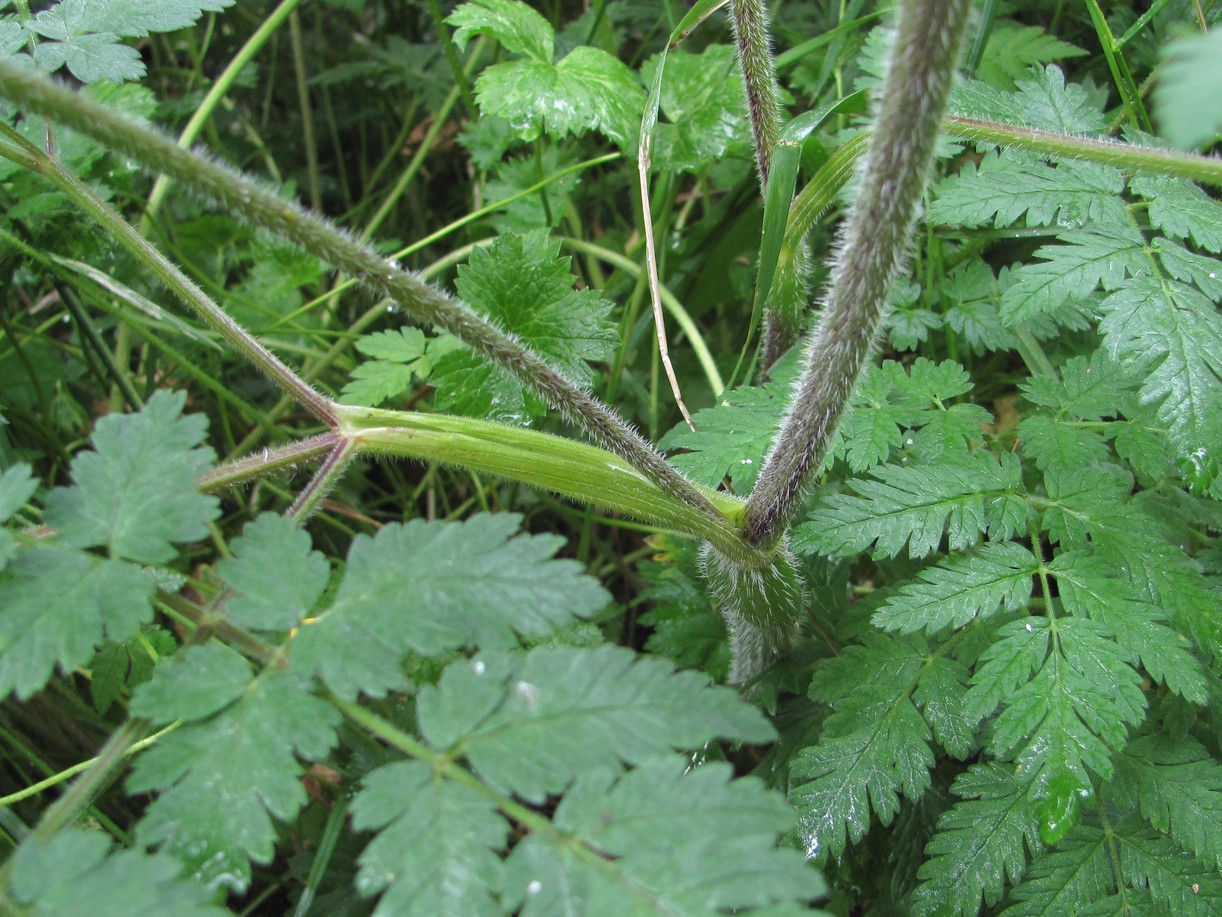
259, 205
871, 249
751, 35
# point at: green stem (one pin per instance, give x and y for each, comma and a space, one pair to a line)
572, 469
1206, 169
872, 248
307, 113
260, 206
56, 779
750, 20
268, 461
327, 476
219, 89
177, 282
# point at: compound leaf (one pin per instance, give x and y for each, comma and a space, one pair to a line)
75, 874
962, 496
530, 726
135, 493
436, 850
658, 833
979, 845
436, 586
220, 780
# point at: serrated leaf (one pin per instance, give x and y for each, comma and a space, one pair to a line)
1090, 587
899, 505
135, 493
58, 605
1123, 870
980, 843
398, 356
1012, 48
193, 684
84, 34
685, 626
75, 874
1179, 788
1006, 187
1181, 209
1170, 338
521, 283
275, 575
518, 27
1067, 695
660, 832
1041, 100
1104, 255
939, 696
221, 780
588, 90
704, 103
996, 576
561, 711
436, 853
730, 438
874, 749
436, 586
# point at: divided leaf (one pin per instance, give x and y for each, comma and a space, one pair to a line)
431, 587
276, 576
1179, 788
84, 34
436, 852
75, 874
524, 287
659, 843
996, 576
223, 776
135, 492
1067, 696
872, 750
962, 496
586, 90
529, 726
980, 842
58, 606
1169, 336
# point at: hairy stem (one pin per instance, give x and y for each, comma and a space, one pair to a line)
1207, 169
872, 248
260, 206
750, 20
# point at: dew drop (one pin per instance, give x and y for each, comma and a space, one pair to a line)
479, 667
534, 887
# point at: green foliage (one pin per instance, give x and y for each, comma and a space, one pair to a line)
84, 35
586, 90
524, 287
447, 694
72, 875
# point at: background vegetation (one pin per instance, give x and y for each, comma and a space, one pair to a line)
446, 692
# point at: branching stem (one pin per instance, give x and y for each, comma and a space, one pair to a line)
872, 248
